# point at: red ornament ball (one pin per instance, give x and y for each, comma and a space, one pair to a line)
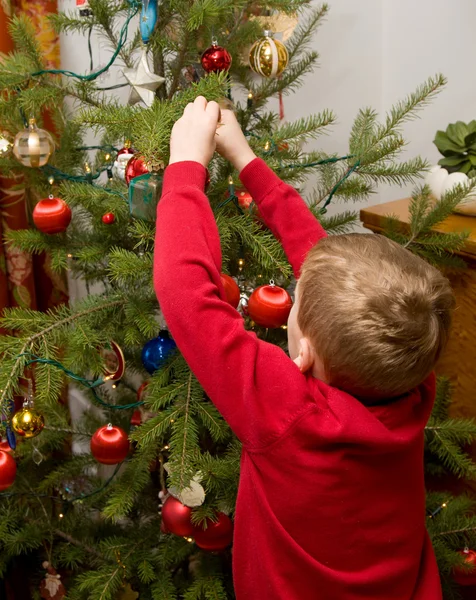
108, 218
244, 198
135, 167
465, 577
8, 469
52, 215
126, 149
177, 518
216, 59
232, 291
217, 536
109, 445
269, 306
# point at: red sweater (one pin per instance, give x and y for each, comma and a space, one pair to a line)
331, 502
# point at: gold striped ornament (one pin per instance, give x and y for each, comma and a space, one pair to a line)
268, 57
33, 146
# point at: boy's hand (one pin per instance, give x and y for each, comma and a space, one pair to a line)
231, 142
193, 135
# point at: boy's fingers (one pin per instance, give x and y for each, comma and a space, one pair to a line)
200, 102
213, 110
188, 108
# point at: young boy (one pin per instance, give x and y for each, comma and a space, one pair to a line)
331, 503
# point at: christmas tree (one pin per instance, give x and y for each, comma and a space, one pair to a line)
118, 531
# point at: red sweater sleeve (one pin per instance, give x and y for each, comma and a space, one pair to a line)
284, 212
257, 388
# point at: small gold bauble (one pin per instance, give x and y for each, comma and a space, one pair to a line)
268, 57
33, 146
27, 422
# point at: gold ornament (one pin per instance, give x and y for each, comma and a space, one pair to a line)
33, 146
268, 57
5, 144
27, 422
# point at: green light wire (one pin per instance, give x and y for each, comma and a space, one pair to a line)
133, 10
71, 500
91, 385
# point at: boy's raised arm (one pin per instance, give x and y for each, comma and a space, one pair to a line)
257, 388
281, 207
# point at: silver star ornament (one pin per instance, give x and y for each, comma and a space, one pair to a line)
143, 81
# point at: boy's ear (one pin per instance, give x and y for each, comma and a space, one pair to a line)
305, 358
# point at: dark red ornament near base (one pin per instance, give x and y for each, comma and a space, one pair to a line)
216, 59
269, 306
464, 577
232, 291
52, 215
217, 536
109, 445
177, 518
135, 167
8, 470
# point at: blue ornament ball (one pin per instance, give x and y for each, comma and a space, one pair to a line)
157, 351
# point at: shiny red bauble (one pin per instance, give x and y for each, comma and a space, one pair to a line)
8, 469
135, 167
52, 215
269, 306
217, 536
108, 218
177, 518
244, 198
109, 445
126, 149
232, 291
464, 577
216, 59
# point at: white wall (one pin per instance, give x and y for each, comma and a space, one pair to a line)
373, 52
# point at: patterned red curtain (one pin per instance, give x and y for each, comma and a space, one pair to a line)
24, 280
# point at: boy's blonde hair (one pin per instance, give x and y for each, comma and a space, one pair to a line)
377, 315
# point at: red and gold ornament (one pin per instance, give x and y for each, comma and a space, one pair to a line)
109, 445
232, 291
52, 215
8, 469
464, 576
270, 305
135, 167
216, 59
217, 536
114, 362
177, 518
108, 218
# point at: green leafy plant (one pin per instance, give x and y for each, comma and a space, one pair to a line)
458, 146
